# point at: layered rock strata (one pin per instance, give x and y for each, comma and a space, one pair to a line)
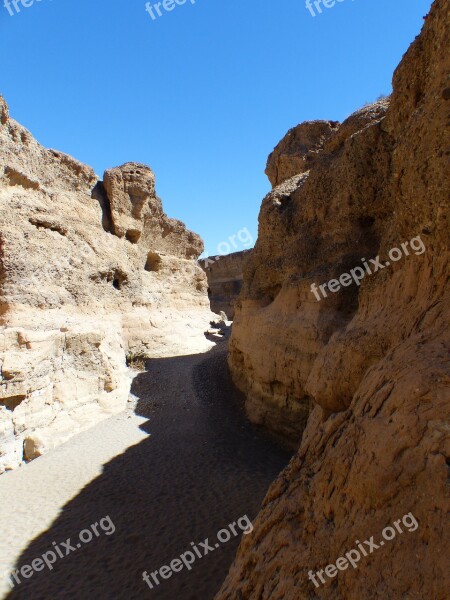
90, 271
225, 278
371, 361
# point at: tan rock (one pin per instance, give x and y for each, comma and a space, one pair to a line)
312, 228
225, 278
75, 298
130, 190
297, 151
372, 360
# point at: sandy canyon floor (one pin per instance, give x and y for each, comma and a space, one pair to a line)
176, 467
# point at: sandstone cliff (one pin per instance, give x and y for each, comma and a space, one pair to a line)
371, 361
313, 226
90, 271
225, 279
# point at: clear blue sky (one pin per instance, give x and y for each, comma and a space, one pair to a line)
201, 94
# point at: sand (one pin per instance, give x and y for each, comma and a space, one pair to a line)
179, 466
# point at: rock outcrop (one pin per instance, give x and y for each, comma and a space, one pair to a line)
313, 227
298, 150
371, 361
90, 271
225, 278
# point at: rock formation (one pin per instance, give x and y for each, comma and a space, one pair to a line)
313, 226
225, 279
90, 271
298, 150
371, 361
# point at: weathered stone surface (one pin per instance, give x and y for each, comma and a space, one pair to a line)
225, 279
137, 211
4, 113
298, 150
75, 298
130, 190
372, 360
312, 227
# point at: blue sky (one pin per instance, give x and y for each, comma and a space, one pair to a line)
202, 94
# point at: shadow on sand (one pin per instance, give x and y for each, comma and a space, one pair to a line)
202, 467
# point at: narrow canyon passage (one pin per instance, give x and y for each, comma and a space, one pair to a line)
202, 467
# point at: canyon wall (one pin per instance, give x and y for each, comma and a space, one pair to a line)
91, 271
368, 363
225, 278
313, 226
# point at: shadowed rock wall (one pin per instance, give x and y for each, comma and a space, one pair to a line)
370, 361
225, 278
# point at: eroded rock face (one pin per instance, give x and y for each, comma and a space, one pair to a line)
225, 278
297, 151
90, 271
130, 190
373, 360
312, 227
